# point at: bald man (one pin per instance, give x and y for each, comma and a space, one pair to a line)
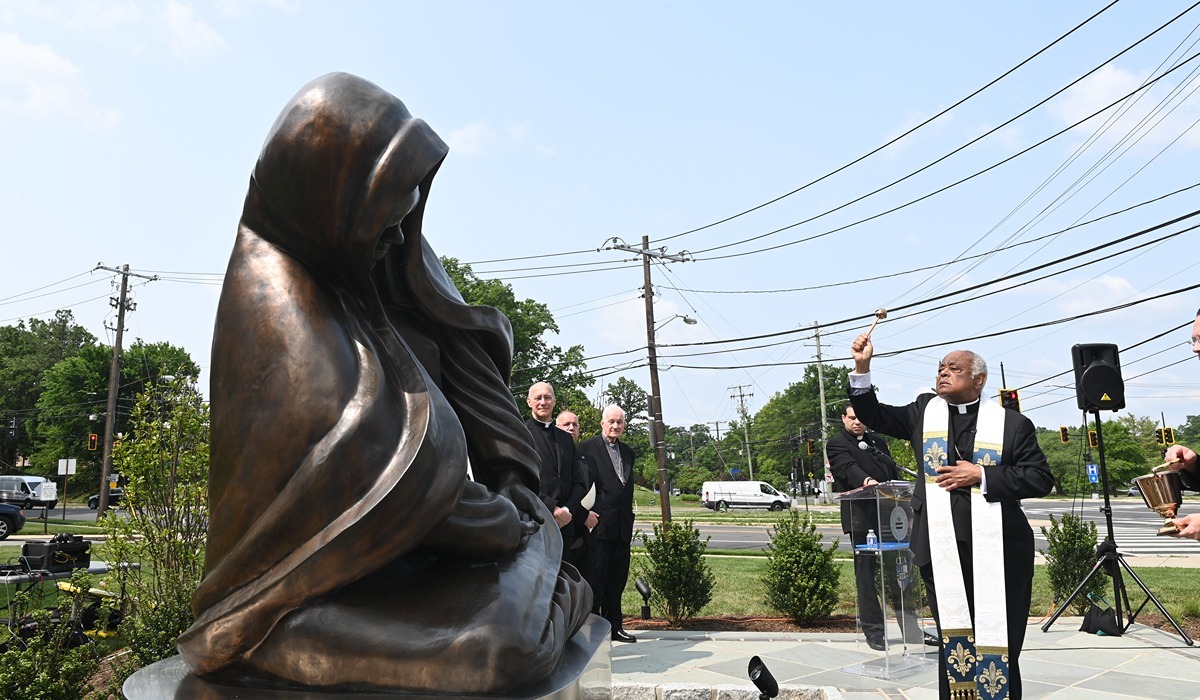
980, 459
584, 519
614, 533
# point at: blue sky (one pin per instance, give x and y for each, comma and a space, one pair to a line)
130, 129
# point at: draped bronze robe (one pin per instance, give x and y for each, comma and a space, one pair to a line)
348, 548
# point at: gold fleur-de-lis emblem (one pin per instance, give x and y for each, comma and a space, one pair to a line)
992, 679
935, 456
960, 659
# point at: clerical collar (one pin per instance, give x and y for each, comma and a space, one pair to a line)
545, 424
964, 408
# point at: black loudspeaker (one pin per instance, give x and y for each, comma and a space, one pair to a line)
1098, 383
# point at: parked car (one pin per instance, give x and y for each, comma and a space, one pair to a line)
114, 498
11, 520
28, 491
1133, 491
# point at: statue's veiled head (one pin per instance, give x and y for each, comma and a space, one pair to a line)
343, 175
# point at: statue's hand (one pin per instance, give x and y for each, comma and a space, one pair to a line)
527, 503
525, 500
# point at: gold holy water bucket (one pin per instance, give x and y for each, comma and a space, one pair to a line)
1163, 494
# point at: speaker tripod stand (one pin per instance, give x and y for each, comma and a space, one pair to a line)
1111, 562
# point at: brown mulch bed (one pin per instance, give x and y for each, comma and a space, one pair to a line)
732, 623
845, 623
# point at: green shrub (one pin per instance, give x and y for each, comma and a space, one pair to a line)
1070, 558
801, 578
52, 665
164, 527
680, 580
690, 497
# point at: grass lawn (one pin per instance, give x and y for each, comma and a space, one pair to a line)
739, 589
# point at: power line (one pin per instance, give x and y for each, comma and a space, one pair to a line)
955, 293
905, 134
1019, 329
941, 265
885, 145
927, 195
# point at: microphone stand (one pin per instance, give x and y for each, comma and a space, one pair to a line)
864, 446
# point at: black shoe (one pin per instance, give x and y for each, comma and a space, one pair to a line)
931, 641
623, 636
876, 643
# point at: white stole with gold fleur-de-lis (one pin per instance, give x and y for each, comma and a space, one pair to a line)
975, 655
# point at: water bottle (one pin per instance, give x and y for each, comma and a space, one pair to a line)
872, 541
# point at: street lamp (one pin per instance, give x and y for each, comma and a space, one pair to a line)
656, 426
686, 319
657, 430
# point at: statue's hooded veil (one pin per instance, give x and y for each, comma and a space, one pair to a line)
335, 453
301, 343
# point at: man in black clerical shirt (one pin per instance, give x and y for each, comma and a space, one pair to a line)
614, 528
561, 482
857, 459
1021, 473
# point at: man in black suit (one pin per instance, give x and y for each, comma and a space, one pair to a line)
1021, 473
561, 483
853, 467
614, 527
584, 519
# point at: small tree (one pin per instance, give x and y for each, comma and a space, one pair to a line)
165, 465
57, 661
1070, 557
680, 580
801, 578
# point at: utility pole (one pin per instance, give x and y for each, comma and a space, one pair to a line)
821, 392
656, 422
741, 397
122, 305
717, 443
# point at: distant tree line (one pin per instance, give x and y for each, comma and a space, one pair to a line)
54, 385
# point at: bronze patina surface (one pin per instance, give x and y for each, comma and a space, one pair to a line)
351, 386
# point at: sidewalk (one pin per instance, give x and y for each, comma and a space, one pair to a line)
1062, 663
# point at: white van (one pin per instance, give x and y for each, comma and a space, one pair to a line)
28, 491
723, 495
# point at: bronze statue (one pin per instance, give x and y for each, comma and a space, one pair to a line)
352, 389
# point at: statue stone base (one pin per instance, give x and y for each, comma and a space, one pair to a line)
585, 673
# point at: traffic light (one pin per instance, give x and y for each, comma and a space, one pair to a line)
1169, 435
1093, 439
1064, 434
10, 428
93, 442
811, 445
1159, 437
1009, 398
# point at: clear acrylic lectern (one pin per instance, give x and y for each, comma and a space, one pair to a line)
885, 508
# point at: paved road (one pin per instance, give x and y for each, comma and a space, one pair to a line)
1135, 528
73, 513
